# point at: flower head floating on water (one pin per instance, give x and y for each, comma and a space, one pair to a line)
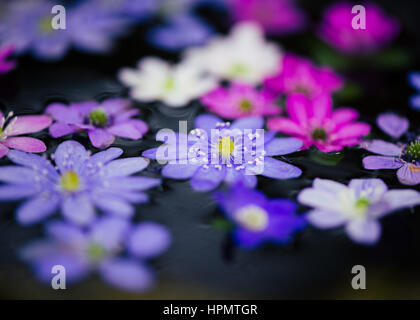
218, 151
316, 123
336, 29
176, 86
240, 100
243, 55
102, 121
11, 127
357, 206
402, 156
100, 248
298, 75
275, 16
77, 185
27, 26
414, 79
5, 64
257, 219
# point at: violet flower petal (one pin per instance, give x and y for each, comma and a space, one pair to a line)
179, 171
36, 209
78, 209
148, 240
409, 174
392, 124
364, 231
70, 156
277, 169
101, 138
382, 147
281, 146
207, 179
380, 162
325, 219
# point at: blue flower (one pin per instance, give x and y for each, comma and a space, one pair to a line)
218, 151
414, 80
257, 219
112, 246
77, 184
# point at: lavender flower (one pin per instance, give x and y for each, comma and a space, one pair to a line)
404, 156
111, 246
258, 219
102, 121
27, 26
357, 206
414, 80
217, 151
77, 184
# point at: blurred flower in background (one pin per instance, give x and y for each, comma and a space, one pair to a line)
357, 206
5, 64
299, 75
157, 80
27, 27
113, 247
316, 123
12, 127
77, 185
102, 120
336, 29
243, 55
259, 220
240, 100
414, 80
277, 17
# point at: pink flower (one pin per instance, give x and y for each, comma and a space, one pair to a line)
5, 65
300, 75
336, 29
10, 128
275, 16
240, 100
315, 123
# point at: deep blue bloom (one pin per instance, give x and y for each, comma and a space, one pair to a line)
257, 219
414, 80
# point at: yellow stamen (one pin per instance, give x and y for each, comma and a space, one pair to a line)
226, 146
252, 217
70, 181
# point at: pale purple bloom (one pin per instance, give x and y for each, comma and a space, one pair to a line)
79, 183
414, 80
357, 207
258, 220
112, 246
101, 120
5, 64
27, 26
218, 151
404, 156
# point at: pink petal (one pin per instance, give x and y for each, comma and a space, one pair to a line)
284, 125
3, 150
100, 138
26, 144
344, 115
28, 124
321, 107
297, 108
353, 130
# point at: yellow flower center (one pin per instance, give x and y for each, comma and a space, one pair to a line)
319, 134
170, 84
226, 146
45, 25
245, 105
70, 181
98, 117
252, 217
413, 168
96, 252
238, 69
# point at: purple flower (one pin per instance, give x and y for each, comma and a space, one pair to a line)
111, 246
79, 183
402, 156
414, 80
5, 64
102, 121
257, 219
179, 32
357, 206
27, 25
137, 9
217, 151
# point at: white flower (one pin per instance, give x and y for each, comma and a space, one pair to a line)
357, 206
155, 79
243, 55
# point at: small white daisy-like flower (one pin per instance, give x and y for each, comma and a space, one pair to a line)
244, 55
175, 85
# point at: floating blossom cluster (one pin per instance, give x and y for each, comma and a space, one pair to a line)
403, 157
316, 123
337, 30
102, 121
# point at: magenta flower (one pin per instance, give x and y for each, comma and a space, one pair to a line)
11, 127
315, 123
275, 16
5, 65
336, 29
403, 157
102, 121
240, 100
301, 75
